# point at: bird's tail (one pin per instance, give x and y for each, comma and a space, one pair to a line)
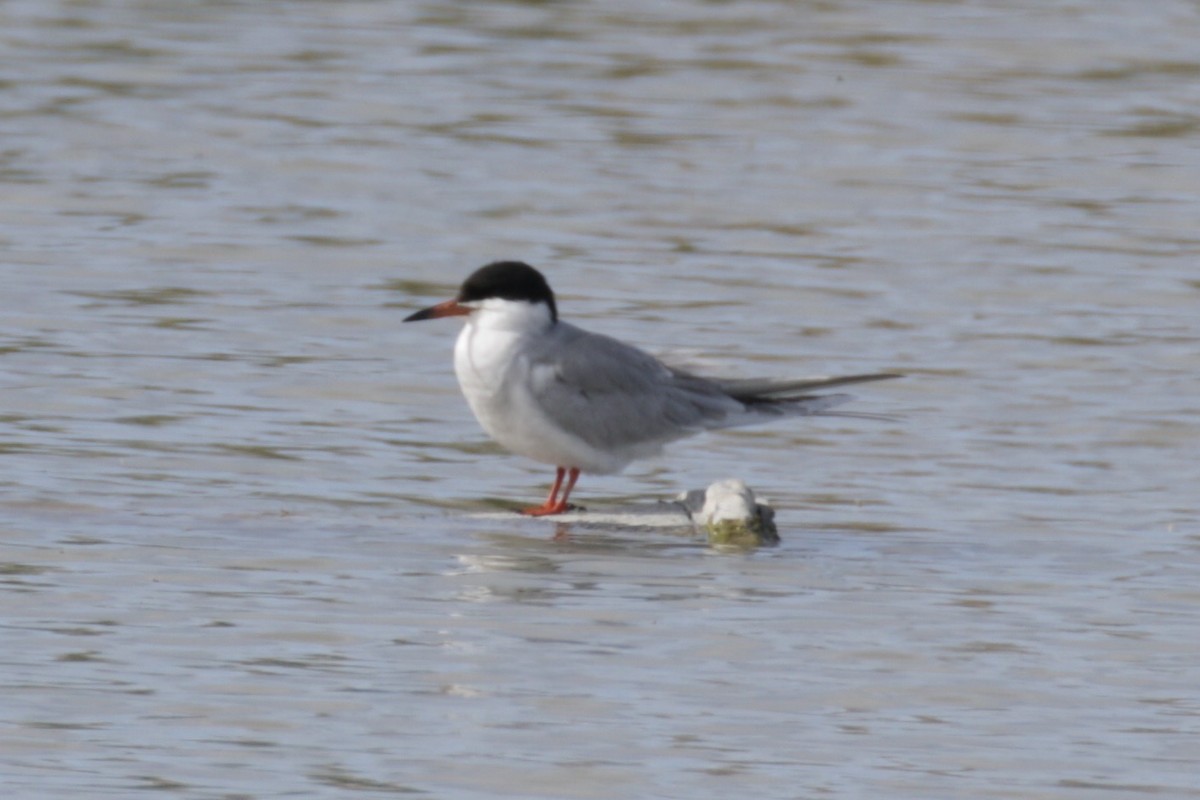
797, 397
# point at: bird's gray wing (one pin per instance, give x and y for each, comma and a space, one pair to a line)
767, 397
612, 395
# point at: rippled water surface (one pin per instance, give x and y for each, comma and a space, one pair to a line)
238, 556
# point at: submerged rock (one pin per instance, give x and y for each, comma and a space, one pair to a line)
728, 512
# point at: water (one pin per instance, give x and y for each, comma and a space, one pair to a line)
235, 546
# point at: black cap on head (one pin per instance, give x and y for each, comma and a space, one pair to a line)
508, 280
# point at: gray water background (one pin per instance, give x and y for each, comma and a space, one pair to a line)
236, 552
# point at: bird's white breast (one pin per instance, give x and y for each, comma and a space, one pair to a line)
492, 359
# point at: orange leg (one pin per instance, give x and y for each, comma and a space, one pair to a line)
552, 504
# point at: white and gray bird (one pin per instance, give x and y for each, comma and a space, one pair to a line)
584, 402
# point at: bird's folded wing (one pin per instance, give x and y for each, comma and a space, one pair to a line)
610, 394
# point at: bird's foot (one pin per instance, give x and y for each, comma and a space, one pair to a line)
547, 509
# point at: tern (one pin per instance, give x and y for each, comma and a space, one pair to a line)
584, 402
